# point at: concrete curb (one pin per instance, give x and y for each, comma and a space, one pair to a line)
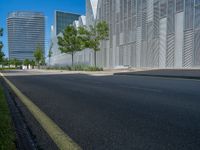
161, 76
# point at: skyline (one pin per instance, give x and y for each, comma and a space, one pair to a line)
75, 6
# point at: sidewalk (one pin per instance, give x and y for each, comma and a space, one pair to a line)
106, 72
167, 73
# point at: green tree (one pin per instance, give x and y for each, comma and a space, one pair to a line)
50, 52
39, 56
12, 62
15, 62
26, 63
1, 55
19, 63
6, 62
1, 46
93, 35
9, 63
32, 63
70, 42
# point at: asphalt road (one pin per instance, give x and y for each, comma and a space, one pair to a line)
118, 112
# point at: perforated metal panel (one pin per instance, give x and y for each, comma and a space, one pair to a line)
196, 55
179, 5
171, 18
189, 14
163, 8
149, 10
134, 7
197, 16
162, 43
144, 54
156, 20
144, 22
150, 44
134, 28
188, 48
155, 56
121, 55
154, 32
170, 50
138, 45
133, 55
139, 13
179, 40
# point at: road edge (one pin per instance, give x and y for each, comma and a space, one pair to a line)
160, 76
60, 138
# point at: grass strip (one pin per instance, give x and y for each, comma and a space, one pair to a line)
7, 134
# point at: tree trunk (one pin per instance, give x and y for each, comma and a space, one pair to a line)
95, 58
72, 59
38, 65
49, 61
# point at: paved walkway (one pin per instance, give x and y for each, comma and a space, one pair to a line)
167, 73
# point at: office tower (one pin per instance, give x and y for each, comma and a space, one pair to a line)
26, 32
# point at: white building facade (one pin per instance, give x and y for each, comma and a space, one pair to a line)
61, 20
145, 33
84, 57
151, 33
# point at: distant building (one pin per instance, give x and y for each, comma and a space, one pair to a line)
91, 11
63, 19
26, 31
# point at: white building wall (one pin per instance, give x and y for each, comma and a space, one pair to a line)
163, 41
146, 33
138, 46
179, 26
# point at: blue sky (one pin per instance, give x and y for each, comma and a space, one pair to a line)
46, 6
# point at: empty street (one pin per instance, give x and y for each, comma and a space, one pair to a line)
116, 112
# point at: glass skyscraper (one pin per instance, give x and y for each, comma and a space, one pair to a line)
63, 19
26, 32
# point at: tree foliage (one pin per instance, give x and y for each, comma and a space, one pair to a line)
15, 62
6, 62
26, 63
1, 56
70, 42
50, 50
1, 46
32, 63
93, 35
39, 56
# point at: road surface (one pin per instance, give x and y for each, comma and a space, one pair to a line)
117, 112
